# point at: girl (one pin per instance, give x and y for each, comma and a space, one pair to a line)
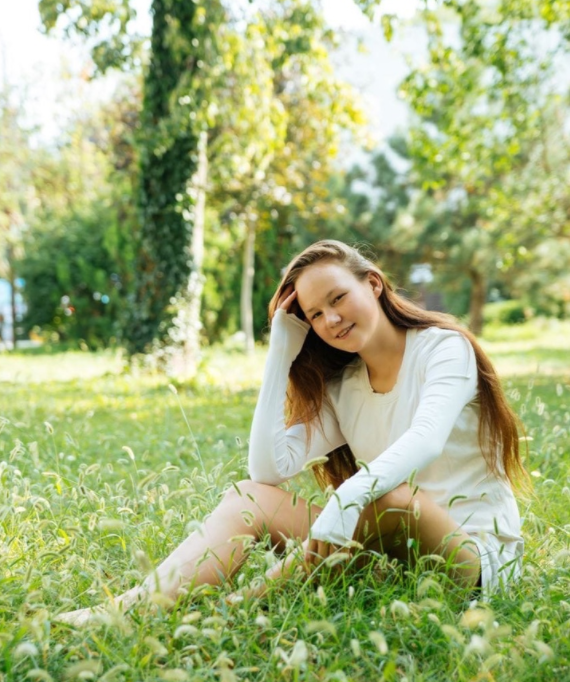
402, 414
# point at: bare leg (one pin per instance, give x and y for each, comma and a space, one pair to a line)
217, 550
387, 524
402, 514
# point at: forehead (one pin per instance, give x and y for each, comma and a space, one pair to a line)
317, 281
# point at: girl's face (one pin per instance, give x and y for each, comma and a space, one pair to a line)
343, 310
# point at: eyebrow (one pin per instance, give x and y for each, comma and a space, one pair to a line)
310, 310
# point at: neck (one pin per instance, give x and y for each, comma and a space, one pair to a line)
384, 357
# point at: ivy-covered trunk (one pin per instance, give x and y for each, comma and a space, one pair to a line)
168, 144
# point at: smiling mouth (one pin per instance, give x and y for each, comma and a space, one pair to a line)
345, 332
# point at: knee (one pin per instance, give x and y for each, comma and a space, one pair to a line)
398, 499
245, 490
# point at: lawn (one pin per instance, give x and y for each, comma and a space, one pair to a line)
101, 476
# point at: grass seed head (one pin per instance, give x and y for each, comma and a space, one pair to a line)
379, 640
262, 621
26, 650
299, 655
477, 646
399, 609
174, 675
355, 648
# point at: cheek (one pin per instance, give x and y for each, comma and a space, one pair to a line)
318, 327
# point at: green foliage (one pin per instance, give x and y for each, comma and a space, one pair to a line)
182, 44
276, 119
80, 239
371, 196
481, 146
91, 20
72, 284
505, 312
80, 518
16, 186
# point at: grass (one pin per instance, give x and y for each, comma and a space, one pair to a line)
81, 517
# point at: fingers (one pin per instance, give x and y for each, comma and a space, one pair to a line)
288, 296
316, 551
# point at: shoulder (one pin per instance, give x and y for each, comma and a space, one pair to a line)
432, 338
435, 346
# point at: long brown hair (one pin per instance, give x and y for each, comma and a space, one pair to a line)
318, 363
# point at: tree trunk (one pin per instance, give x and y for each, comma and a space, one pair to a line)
168, 162
477, 301
196, 280
247, 287
12, 281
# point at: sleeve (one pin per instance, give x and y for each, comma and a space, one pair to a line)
450, 384
275, 452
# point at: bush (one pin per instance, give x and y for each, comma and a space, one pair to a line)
505, 312
77, 279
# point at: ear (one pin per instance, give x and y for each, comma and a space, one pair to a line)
375, 283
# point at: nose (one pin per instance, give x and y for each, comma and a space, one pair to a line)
332, 318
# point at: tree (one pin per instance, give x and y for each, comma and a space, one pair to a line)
16, 192
102, 24
477, 108
478, 137
182, 43
81, 233
275, 140
272, 114
183, 36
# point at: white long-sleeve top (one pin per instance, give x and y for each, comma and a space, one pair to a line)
425, 428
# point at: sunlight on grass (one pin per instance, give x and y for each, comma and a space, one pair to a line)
535, 347
31, 368
101, 477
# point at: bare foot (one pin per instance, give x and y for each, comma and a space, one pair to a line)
81, 617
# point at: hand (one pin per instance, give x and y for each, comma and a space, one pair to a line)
316, 551
288, 302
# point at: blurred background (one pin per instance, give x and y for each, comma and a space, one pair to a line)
160, 162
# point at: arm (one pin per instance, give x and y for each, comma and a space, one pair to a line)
275, 452
450, 384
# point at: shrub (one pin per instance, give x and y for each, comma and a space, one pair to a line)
505, 312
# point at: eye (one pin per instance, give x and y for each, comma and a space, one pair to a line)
314, 317
337, 298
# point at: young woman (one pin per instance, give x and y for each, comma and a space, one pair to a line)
402, 414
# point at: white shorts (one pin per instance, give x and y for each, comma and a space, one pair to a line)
501, 560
